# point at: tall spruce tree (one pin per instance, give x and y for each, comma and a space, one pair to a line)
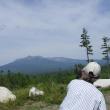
106, 49
85, 42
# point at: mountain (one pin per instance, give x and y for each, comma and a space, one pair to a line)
39, 64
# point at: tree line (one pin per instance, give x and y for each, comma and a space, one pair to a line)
85, 43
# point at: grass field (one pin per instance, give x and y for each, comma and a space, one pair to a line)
54, 95
53, 85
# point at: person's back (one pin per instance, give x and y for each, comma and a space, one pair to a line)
82, 95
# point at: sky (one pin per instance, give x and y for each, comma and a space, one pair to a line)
51, 28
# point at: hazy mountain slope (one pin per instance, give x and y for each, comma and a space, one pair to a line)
39, 64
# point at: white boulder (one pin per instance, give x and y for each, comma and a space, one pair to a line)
102, 83
6, 95
35, 92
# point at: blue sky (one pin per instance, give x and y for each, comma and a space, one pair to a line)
51, 27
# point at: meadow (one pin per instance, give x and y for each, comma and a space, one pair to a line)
53, 84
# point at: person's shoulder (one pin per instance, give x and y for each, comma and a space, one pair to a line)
74, 82
99, 92
71, 83
94, 90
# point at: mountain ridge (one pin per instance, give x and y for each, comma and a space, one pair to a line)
40, 64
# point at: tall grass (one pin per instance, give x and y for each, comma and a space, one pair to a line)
53, 84
105, 72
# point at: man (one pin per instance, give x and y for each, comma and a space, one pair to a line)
82, 94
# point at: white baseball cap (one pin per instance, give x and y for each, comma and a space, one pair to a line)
93, 67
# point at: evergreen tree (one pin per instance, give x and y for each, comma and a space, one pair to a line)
86, 44
106, 49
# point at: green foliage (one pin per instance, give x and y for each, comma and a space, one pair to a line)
19, 80
54, 86
85, 42
105, 74
105, 90
77, 70
54, 93
106, 49
14, 80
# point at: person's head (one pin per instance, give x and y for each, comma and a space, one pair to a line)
91, 72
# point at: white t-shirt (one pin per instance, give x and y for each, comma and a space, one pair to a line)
82, 95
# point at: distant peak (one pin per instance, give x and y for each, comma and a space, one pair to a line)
33, 56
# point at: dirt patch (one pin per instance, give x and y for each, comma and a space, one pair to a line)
107, 98
33, 105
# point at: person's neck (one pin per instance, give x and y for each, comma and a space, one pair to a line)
87, 80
